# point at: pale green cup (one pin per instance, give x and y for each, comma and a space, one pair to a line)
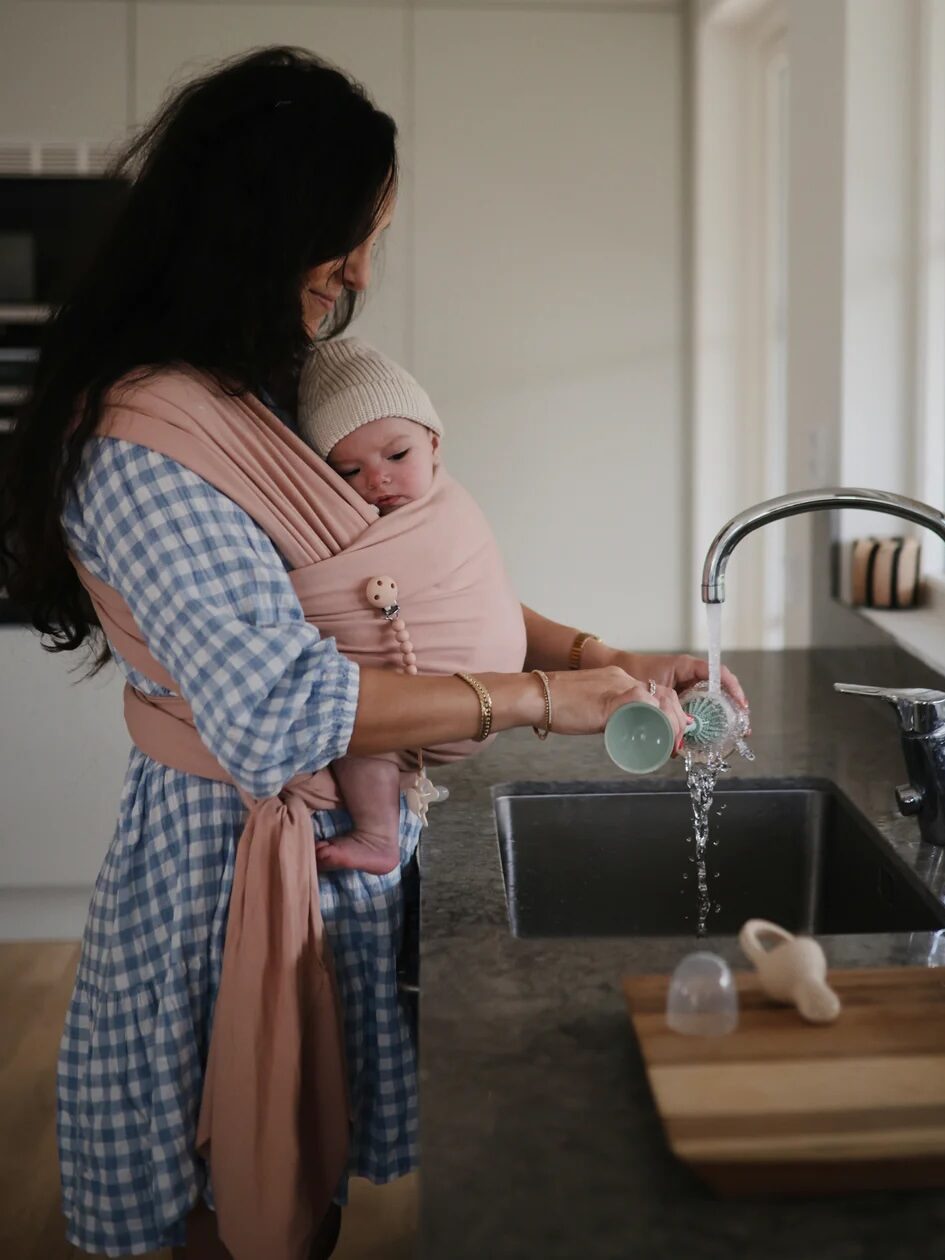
639, 737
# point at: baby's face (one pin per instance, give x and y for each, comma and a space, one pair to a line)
389, 462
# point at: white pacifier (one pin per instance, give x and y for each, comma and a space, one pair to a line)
423, 794
793, 970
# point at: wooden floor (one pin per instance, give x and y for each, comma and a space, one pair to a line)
35, 984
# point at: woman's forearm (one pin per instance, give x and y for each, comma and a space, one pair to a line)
550, 642
396, 711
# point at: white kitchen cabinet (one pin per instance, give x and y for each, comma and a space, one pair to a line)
64, 751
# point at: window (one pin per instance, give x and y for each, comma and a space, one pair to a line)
929, 266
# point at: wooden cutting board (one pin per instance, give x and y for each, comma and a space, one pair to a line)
781, 1106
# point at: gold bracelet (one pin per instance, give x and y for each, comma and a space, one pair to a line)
577, 648
485, 705
542, 677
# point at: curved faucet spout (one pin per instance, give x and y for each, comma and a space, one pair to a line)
730, 535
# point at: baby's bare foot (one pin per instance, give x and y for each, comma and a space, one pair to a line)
357, 851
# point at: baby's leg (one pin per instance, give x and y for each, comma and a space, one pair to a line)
371, 790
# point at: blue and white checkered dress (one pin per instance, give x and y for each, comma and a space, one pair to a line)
271, 700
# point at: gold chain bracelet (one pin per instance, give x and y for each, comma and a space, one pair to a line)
544, 732
485, 705
577, 648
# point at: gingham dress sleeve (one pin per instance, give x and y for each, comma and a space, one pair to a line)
214, 603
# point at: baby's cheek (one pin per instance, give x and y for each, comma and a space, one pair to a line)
424, 479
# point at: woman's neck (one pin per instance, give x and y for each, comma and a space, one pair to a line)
282, 395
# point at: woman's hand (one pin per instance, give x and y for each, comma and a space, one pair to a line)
549, 647
679, 672
582, 700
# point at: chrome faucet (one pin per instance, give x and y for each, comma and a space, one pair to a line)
730, 535
921, 712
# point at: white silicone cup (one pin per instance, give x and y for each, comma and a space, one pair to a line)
702, 1000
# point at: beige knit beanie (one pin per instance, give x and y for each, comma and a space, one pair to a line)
346, 383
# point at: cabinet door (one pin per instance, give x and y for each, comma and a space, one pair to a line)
174, 42
63, 70
65, 749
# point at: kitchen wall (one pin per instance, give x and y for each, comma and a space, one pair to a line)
533, 281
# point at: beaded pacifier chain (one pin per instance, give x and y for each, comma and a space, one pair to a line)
381, 593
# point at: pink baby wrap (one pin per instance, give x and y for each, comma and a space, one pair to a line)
274, 1115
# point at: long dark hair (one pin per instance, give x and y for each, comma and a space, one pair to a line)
248, 177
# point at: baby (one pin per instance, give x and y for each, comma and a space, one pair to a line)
378, 430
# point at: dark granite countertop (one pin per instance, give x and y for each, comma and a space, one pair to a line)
538, 1133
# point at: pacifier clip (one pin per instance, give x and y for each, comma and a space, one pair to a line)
381, 593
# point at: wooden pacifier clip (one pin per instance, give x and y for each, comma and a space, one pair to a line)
381, 593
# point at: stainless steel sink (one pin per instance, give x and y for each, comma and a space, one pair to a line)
608, 859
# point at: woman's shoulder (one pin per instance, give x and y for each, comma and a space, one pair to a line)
147, 419
146, 387
125, 489
179, 410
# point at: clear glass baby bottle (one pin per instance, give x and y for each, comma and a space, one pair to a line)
719, 726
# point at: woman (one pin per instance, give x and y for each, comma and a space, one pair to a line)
259, 195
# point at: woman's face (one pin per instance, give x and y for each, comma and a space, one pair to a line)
324, 284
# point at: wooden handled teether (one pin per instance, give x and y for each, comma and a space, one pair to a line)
793, 970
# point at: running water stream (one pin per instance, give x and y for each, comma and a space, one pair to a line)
713, 614
703, 776
702, 779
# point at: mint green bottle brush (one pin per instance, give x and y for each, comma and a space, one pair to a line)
719, 725
711, 722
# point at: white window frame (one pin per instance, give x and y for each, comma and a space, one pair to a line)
922, 630
929, 265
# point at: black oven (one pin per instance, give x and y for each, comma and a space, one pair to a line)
49, 229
